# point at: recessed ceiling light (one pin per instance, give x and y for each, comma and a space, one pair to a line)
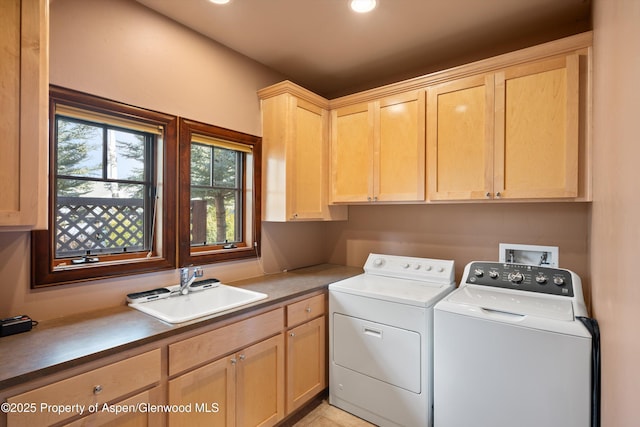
363, 6
220, 1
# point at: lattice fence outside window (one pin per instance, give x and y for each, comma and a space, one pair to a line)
99, 225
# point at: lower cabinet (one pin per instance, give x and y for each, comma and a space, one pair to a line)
242, 389
248, 373
126, 413
99, 393
306, 362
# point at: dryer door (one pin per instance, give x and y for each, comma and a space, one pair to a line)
379, 351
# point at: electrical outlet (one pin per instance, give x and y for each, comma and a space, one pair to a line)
529, 254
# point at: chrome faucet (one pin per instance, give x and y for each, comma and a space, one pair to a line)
187, 279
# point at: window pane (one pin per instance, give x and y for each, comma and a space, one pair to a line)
79, 149
99, 217
200, 164
225, 168
214, 216
125, 155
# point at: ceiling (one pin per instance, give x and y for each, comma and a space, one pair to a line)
324, 46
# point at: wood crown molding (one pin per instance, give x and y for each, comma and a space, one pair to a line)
295, 90
538, 52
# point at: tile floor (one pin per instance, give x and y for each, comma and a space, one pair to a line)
326, 415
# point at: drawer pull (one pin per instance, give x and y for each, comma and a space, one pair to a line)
233, 361
292, 334
97, 389
308, 309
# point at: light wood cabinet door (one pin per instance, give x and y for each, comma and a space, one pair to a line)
260, 384
378, 150
399, 148
24, 74
309, 165
295, 151
212, 388
306, 362
460, 139
537, 120
352, 154
513, 134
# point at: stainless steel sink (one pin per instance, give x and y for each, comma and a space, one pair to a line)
181, 308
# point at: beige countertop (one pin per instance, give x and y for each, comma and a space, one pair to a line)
59, 344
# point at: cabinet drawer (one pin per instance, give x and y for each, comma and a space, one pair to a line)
211, 345
94, 387
306, 309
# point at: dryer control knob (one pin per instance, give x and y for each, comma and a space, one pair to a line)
478, 272
541, 279
558, 280
405, 265
515, 277
378, 262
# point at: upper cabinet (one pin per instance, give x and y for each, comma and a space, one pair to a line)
460, 139
515, 127
295, 152
510, 134
378, 150
24, 74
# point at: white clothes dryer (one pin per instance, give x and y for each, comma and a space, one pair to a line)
381, 339
513, 347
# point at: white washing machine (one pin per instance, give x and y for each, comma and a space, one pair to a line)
381, 336
513, 347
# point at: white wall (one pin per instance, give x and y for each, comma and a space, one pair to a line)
615, 231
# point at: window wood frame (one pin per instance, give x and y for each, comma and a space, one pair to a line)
44, 271
210, 254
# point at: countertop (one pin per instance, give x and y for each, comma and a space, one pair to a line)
59, 344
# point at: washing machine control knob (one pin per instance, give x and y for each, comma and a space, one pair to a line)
478, 272
515, 277
541, 279
558, 280
494, 274
405, 265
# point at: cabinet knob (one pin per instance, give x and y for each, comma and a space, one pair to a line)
369, 199
97, 389
292, 334
498, 195
233, 361
242, 357
308, 309
487, 195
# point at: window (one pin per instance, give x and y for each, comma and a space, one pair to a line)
219, 194
104, 201
112, 191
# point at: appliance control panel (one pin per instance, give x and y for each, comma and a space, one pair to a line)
525, 277
423, 269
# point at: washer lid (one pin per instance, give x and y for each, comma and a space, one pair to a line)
403, 291
518, 303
